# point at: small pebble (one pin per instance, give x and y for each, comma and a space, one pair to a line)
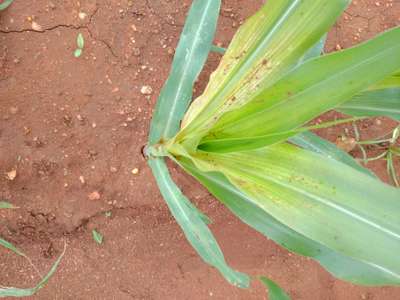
170, 51
135, 171
94, 196
136, 52
346, 144
35, 26
82, 15
146, 90
11, 174
13, 110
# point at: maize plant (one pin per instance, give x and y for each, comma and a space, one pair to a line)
246, 138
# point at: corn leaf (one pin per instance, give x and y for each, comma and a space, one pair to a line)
274, 291
385, 102
217, 49
268, 45
17, 292
5, 4
315, 51
311, 89
194, 227
392, 81
248, 210
191, 54
312, 142
322, 199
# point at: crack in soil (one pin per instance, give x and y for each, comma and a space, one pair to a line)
68, 26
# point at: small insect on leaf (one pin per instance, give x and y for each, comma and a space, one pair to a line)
98, 237
80, 41
6, 205
78, 52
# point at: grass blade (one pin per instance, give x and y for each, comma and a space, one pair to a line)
17, 292
11, 247
391, 170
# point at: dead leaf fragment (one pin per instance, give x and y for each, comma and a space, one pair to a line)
94, 196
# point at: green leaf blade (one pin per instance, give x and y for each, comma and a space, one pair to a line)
18, 292
274, 291
11, 247
5, 4
385, 102
392, 81
323, 199
257, 56
312, 142
248, 211
194, 225
190, 56
315, 51
309, 90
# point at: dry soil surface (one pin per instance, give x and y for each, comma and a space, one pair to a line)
73, 129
